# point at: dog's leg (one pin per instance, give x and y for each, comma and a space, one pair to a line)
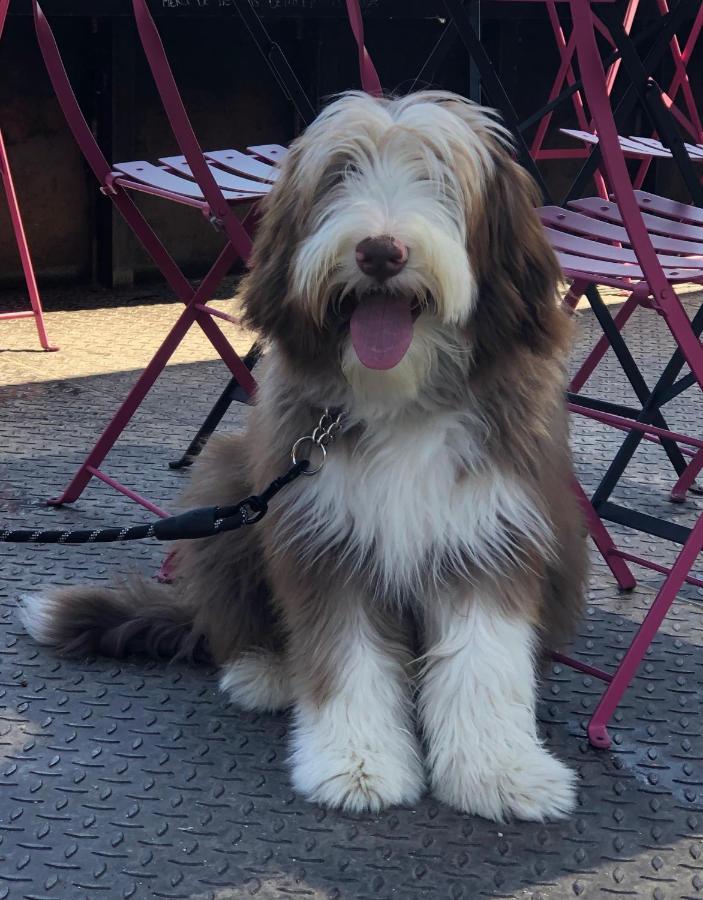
477, 706
353, 742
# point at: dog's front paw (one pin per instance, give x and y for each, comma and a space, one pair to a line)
257, 680
531, 785
367, 776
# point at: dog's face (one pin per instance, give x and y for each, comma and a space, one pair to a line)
396, 227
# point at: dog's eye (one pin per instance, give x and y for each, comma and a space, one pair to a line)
337, 175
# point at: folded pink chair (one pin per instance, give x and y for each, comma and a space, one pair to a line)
36, 312
645, 245
676, 233
213, 183
679, 96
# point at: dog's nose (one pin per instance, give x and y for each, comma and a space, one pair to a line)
381, 257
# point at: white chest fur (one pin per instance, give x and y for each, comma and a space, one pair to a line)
413, 496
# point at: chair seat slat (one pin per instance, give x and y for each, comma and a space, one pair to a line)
637, 146
592, 269
673, 209
273, 153
155, 176
630, 147
224, 179
607, 210
694, 151
569, 220
242, 163
582, 246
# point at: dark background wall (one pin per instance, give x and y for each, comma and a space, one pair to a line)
233, 100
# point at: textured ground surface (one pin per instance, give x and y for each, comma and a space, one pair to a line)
139, 780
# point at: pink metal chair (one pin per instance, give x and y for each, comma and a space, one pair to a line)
36, 312
645, 245
675, 232
212, 183
621, 243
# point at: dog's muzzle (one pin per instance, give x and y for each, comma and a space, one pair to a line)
381, 325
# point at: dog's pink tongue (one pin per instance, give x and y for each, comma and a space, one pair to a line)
381, 329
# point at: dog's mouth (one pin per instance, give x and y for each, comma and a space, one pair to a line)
381, 328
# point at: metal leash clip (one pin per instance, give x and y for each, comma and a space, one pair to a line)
325, 432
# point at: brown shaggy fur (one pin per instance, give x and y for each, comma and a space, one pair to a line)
222, 596
252, 590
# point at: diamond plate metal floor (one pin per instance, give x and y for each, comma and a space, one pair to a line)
139, 780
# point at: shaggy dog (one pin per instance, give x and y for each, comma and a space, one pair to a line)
401, 275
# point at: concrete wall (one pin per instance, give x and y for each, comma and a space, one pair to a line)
49, 174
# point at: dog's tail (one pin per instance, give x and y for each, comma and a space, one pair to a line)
139, 616
218, 605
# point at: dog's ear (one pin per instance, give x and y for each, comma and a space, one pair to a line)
266, 293
518, 271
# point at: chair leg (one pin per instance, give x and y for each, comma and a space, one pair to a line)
597, 727
687, 479
212, 420
190, 315
165, 573
233, 393
665, 390
23, 247
129, 406
598, 352
648, 398
565, 75
226, 352
604, 543
119, 422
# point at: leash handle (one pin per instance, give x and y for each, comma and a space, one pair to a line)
370, 81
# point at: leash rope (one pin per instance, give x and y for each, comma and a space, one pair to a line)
205, 521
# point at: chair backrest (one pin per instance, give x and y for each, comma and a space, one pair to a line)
66, 97
681, 81
177, 115
178, 118
370, 81
595, 88
4, 7
171, 99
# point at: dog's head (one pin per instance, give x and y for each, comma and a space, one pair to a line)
400, 229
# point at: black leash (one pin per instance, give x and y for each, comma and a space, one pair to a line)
205, 521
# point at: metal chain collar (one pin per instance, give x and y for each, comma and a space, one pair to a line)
326, 430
